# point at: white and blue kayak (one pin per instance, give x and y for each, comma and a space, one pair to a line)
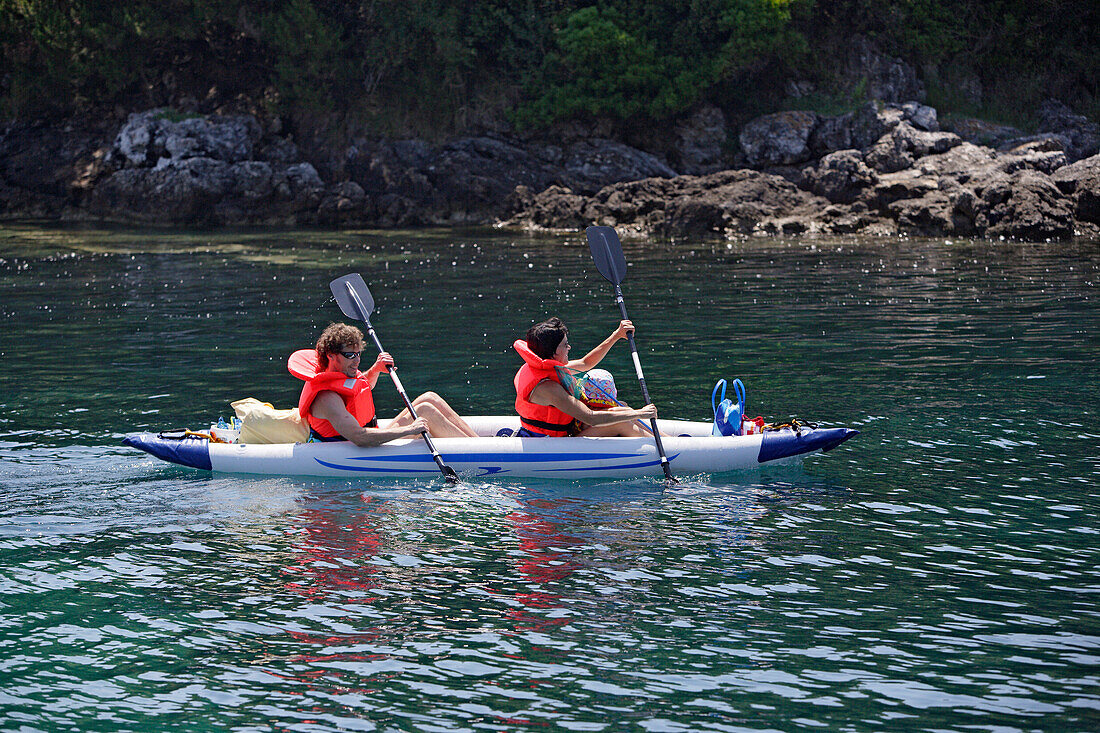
691, 449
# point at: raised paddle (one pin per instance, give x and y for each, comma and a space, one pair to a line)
355, 300
607, 251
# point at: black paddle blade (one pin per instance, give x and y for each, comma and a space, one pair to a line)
353, 296
607, 252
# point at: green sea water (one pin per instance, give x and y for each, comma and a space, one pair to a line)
937, 573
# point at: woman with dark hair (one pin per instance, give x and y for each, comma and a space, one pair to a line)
545, 390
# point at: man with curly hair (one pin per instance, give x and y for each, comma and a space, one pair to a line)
337, 403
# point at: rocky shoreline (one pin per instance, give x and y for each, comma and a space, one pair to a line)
882, 169
875, 171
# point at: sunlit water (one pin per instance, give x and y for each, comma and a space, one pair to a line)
939, 572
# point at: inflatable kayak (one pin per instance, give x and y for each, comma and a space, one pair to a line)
690, 447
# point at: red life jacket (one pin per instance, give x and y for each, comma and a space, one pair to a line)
538, 418
355, 392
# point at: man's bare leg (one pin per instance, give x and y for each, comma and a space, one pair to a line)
443, 421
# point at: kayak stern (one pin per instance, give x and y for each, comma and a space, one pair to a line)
191, 452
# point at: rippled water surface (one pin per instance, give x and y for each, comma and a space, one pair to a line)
939, 572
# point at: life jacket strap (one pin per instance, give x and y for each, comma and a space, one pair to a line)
546, 425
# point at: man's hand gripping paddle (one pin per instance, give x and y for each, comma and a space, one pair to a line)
608, 255
355, 300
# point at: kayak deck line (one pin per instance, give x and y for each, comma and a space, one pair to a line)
689, 447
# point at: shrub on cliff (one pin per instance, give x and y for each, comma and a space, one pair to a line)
622, 60
995, 58
60, 56
308, 61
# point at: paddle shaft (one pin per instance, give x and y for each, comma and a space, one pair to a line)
641, 381
446, 470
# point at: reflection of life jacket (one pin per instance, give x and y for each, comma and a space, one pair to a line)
538, 418
355, 392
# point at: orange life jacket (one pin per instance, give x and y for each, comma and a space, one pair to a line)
538, 418
355, 392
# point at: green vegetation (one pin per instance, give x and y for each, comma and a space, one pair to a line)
436, 66
995, 59
653, 61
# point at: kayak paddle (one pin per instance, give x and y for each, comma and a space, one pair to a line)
355, 300
607, 252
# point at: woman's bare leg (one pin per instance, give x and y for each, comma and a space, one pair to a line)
632, 429
615, 430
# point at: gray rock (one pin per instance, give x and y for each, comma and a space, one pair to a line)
981, 132
832, 134
865, 126
929, 216
840, 177
890, 154
45, 169
192, 172
928, 143
592, 164
921, 116
253, 180
474, 179
953, 188
972, 190
470, 177
901, 186
904, 144
1081, 135
963, 163
850, 220
390, 168
1081, 182
555, 208
135, 138
208, 191
887, 78
279, 151
149, 136
186, 192
778, 139
302, 178
1037, 156
699, 141
869, 123
799, 88
1043, 141
1027, 205
342, 201
720, 204
924, 207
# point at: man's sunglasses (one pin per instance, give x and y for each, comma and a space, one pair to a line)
350, 354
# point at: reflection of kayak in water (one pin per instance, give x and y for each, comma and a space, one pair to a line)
692, 450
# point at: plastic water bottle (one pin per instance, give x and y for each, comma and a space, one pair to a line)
221, 422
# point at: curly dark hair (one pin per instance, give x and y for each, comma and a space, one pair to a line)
337, 337
544, 338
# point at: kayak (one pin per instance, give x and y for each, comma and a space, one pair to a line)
690, 447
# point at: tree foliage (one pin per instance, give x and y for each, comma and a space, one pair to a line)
1017, 51
63, 54
442, 63
622, 60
